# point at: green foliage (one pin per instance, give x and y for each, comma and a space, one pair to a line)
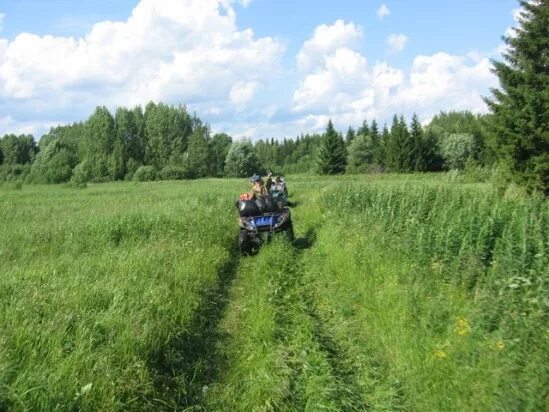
456, 149
14, 172
54, 164
350, 136
20, 149
167, 129
174, 173
145, 174
520, 119
331, 156
446, 123
198, 153
82, 174
241, 160
219, 148
361, 154
399, 147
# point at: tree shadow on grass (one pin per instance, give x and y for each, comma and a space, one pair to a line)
185, 365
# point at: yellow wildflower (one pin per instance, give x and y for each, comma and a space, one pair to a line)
500, 344
462, 326
440, 354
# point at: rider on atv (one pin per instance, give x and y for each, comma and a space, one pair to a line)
261, 216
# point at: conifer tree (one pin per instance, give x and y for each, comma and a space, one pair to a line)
416, 136
384, 149
349, 137
406, 147
376, 143
520, 107
331, 157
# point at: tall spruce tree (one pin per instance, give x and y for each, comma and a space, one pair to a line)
331, 157
418, 155
375, 138
384, 148
350, 136
520, 107
406, 148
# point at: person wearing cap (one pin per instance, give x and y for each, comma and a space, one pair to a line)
258, 188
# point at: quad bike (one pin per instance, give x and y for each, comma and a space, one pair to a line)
259, 220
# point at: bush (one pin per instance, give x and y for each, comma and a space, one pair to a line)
241, 160
145, 174
14, 172
174, 173
81, 174
131, 166
456, 148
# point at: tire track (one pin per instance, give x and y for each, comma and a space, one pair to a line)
190, 361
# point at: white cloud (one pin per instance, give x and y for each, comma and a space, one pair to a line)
346, 89
396, 42
171, 50
327, 39
242, 92
344, 71
9, 125
244, 3
2, 16
383, 11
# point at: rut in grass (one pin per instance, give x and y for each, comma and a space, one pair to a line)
344, 391
190, 361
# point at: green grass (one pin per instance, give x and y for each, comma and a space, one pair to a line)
410, 292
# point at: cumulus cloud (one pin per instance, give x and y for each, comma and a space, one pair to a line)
326, 40
171, 50
396, 42
383, 11
344, 87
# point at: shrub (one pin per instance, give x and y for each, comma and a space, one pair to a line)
81, 174
14, 172
241, 160
174, 173
145, 174
456, 148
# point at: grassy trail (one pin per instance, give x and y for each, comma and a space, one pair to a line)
278, 353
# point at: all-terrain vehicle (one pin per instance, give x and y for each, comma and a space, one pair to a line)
259, 220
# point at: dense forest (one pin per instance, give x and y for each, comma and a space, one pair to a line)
167, 142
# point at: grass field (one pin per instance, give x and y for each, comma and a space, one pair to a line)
399, 293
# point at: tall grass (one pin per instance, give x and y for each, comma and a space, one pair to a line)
443, 290
400, 293
100, 290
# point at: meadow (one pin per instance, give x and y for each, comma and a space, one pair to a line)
400, 292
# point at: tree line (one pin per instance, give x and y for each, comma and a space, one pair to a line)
166, 142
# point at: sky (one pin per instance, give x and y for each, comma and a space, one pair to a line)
250, 68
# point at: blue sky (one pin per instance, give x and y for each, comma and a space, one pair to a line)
254, 68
